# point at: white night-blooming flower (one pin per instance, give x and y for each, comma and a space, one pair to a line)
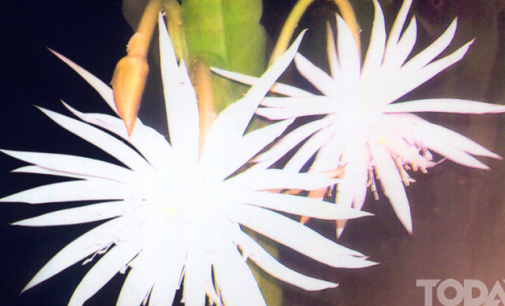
362, 129
176, 217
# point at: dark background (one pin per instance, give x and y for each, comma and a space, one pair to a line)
459, 216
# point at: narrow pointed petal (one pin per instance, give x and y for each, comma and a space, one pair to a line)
180, 98
40, 170
84, 214
233, 121
430, 134
103, 89
321, 102
375, 52
278, 179
139, 281
331, 50
291, 140
235, 279
391, 181
298, 107
103, 271
87, 244
151, 144
317, 77
299, 237
196, 274
427, 55
396, 30
231, 124
409, 80
279, 88
348, 54
72, 191
75, 164
456, 106
247, 147
351, 190
329, 156
309, 148
169, 270
302, 206
109, 123
270, 265
102, 140
397, 57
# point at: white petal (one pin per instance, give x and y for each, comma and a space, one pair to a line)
331, 50
375, 53
428, 54
453, 153
168, 262
270, 265
457, 106
151, 144
103, 89
277, 179
309, 148
291, 140
283, 108
230, 125
302, 206
348, 54
109, 123
431, 134
40, 170
72, 191
394, 35
314, 105
103, 271
390, 179
235, 279
409, 80
139, 281
299, 237
397, 57
317, 77
196, 274
279, 88
89, 213
180, 99
75, 165
233, 121
328, 157
246, 148
94, 240
102, 140
351, 190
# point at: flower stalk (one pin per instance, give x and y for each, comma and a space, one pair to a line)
294, 18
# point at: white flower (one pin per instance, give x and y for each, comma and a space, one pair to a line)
362, 130
176, 216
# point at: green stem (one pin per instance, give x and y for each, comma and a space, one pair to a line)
288, 29
296, 14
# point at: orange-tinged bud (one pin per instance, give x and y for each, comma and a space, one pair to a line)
128, 85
